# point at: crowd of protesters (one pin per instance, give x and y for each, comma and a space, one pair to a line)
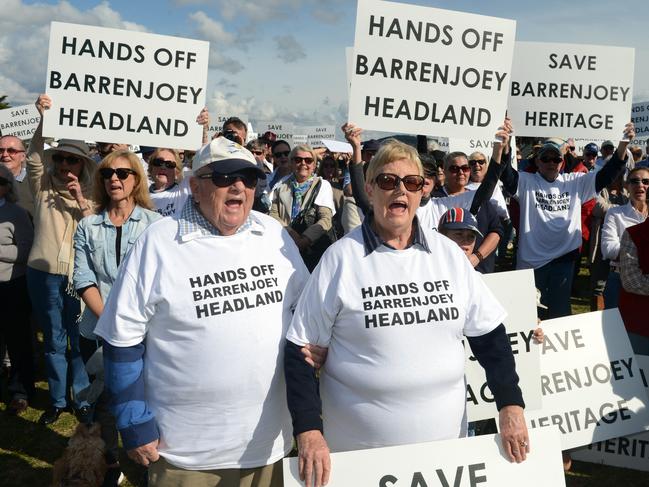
100, 249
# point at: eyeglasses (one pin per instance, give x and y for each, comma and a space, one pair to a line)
637, 181
3, 181
299, 159
553, 160
281, 154
388, 182
219, 180
257, 152
122, 172
162, 162
10, 150
473, 162
456, 169
58, 158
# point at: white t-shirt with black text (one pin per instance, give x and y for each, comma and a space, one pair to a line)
213, 312
550, 215
394, 321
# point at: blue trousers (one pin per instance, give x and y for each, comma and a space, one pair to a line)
57, 312
554, 280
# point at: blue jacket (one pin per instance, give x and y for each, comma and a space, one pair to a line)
95, 262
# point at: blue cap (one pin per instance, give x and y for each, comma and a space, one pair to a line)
459, 219
591, 149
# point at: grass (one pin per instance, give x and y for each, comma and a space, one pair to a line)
28, 450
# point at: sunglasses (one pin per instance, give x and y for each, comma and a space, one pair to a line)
70, 160
281, 154
162, 162
637, 181
10, 150
122, 172
298, 159
554, 160
457, 169
388, 182
3, 181
219, 180
473, 162
258, 152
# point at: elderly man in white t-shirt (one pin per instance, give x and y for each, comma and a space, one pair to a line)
211, 291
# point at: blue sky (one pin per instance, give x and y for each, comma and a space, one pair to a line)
285, 59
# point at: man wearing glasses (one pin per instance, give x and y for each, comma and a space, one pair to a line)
550, 218
12, 154
212, 411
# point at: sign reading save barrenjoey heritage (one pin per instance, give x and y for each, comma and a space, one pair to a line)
516, 292
422, 70
126, 87
19, 121
590, 380
478, 461
578, 90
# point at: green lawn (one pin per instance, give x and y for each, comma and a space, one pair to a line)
28, 450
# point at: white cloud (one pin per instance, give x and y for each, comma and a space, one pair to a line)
289, 49
210, 29
24, 37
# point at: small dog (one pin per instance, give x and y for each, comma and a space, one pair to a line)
83, 463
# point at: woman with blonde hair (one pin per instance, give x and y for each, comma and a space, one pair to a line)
169, 189
304, 204
124, 211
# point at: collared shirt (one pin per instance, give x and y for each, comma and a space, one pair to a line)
616, 221
372, 241
192, 223
21, 176
633, 280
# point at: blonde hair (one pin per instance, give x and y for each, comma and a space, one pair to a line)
11, 195
179, 164
140, 192
392, 150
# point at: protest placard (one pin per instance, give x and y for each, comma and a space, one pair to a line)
316, 133
282, 129
338, 146
515, 291
216, 123
591, 385
471, 145
577, 90
19, 121
640, 117
627, 451
423, 70
475, 461
122, 86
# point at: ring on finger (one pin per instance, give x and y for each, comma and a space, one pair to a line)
523, 443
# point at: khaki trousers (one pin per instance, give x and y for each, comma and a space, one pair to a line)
163, 474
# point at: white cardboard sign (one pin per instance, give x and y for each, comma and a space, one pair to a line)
515, 291
216, 124
19, 121
477, 461
578, 90
423, 70
283, 130
316, 133
640, 117
123, 86
338, 146
591, 385
627, 451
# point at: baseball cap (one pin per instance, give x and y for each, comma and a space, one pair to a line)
371, 145
226, 157
459, 219
591, 148
550, 146
608, 143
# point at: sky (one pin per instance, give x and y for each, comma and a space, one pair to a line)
284, 60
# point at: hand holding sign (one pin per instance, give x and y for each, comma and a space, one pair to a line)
352, 134
43, 102
513, 433
314, 460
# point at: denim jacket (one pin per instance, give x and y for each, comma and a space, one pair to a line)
94, 255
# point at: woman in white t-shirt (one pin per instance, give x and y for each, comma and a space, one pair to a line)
169, 189
616, 221
392, 302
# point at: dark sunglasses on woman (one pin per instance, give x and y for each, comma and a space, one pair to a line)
388, 182
58, 158
122, 172
162, 162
